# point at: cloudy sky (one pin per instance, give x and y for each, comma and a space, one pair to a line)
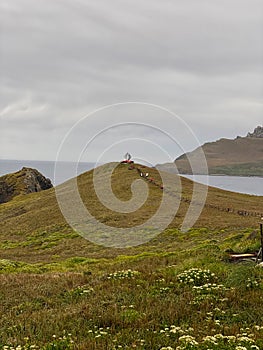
194, 64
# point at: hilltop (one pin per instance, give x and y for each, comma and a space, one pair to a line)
22, 182
34, 229
242, 156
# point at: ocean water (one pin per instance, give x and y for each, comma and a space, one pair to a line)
241, 184
249, 185
47, 168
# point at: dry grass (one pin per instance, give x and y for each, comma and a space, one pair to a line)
33, 228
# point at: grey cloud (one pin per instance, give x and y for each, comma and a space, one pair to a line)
201, 59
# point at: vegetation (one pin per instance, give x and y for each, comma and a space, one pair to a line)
146, 302
179, 291
34, 230
245, 169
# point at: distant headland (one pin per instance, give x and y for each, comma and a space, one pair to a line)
242, 156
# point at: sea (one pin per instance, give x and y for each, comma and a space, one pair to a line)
241, 184
248, 185
47, 168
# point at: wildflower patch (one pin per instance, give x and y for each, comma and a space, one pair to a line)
196, 277
118, 275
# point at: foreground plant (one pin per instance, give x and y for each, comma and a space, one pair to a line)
64, 342
196, 277
122, 274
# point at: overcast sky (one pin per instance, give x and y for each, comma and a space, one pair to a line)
61, 60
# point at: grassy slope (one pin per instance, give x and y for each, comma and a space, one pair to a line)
15, 183
62, 280
33, 228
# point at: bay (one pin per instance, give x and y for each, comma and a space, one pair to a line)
240, 184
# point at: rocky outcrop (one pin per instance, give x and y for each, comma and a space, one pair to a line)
258, 132
22, 182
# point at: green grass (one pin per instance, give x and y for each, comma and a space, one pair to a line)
59, 291
128, 301
34, 230
247, 169
132, 300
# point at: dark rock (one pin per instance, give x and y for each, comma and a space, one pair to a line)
258, 132
22, 182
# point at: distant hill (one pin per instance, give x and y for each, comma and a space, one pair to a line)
242, 156
22, 182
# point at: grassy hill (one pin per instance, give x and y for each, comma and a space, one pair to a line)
33, 228
241, 156
60, 291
